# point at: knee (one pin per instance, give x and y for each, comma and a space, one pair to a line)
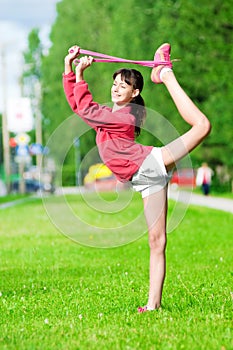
157, 242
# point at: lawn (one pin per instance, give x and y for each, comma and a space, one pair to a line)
58, 294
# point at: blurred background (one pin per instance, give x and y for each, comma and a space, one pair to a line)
35, 37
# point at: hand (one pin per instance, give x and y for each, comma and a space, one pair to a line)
84, 63
74, 52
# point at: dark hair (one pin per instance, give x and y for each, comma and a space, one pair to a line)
135, 79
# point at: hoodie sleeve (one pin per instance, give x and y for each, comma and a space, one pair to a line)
95, 115
81, 102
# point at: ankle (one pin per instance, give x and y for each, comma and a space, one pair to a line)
153, 306
164, 73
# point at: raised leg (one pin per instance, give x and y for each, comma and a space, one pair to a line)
200, 125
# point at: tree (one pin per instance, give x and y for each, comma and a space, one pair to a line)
31, 80
201, 36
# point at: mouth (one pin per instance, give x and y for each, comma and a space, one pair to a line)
115, 96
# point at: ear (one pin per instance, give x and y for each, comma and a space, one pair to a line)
135, 93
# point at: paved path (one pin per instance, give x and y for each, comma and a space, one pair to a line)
201, 200
180, 196
15, 202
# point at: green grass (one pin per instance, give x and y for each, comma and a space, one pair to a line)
13, 197
56, 294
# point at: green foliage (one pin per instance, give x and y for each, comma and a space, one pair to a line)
33, 55
58, 295
31, 76
218, 187
68, 174
200, 33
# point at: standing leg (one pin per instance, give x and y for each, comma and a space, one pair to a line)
155, 209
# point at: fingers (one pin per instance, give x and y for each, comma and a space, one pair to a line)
74, 49
86, 60
83, 63
74, 52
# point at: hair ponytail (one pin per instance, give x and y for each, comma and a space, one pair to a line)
139, 111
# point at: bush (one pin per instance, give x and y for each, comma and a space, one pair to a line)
68, 175
220, 187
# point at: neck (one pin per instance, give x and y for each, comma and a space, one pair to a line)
116, 107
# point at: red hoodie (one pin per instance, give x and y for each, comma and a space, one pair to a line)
115, 131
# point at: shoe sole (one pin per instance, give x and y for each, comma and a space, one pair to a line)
156, 70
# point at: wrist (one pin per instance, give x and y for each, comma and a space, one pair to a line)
68, 66
78, 74
79, 77
68, 61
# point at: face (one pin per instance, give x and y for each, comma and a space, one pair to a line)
121, 92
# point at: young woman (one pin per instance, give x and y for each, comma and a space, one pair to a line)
147, 167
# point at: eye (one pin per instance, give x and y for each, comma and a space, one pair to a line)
123, 86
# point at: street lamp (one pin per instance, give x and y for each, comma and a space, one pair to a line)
5, 133
77, 161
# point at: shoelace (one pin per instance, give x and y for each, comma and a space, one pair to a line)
100, 57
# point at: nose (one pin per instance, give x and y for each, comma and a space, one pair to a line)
115, 87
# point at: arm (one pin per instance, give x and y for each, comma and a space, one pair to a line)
80, 98
77, 93
84, 63
73, 53
69, 78
81, 102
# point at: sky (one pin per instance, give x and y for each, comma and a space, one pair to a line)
17, 19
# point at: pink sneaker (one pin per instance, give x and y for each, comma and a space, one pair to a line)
146, 308
162, 58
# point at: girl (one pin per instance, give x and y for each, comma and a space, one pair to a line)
146, 167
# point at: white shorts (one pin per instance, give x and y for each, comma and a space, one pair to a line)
152, 175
